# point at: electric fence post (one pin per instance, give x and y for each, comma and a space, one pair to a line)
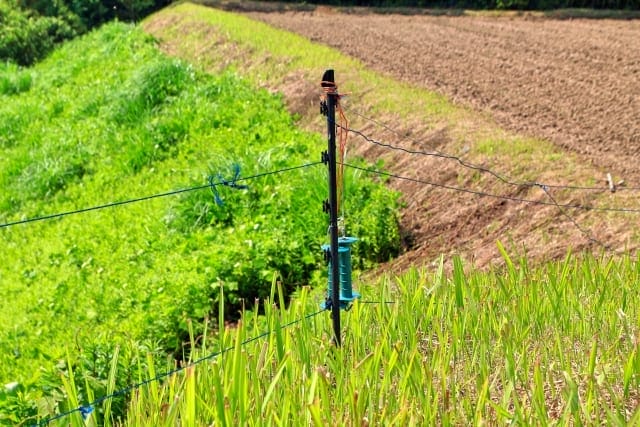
328, 108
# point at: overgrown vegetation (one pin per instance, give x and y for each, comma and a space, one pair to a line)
108, 118
522, 345
25, 36
30, 29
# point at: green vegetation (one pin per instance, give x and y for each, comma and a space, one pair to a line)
218, 40
552, 345
25, 36
30, 29
108, 118
95, 302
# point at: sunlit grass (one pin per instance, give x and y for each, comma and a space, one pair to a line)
553, 345
109, 118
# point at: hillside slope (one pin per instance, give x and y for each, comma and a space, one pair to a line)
142, 199
453, 204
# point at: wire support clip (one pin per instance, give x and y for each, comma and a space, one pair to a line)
325, 157
326, 206
227, 183
86, 411
326, 253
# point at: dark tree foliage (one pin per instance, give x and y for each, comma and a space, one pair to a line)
29, 29
92, 13
25, 36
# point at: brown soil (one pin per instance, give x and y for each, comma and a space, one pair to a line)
573, 82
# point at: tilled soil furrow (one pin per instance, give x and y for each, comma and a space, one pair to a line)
574, 82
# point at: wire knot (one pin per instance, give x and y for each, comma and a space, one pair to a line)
86, 411
227, 183
544, 187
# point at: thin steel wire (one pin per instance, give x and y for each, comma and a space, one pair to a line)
154, 196
158, 377
468, 165
496, 196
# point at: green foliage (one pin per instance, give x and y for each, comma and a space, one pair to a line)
26, 37
152, 85
87, 14
52, 170
107, 118
30, 29
13, 80
93, 13
98, 368
550, 345
512, 4
374, 218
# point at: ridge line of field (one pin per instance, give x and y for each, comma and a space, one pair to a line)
290, 64
243, 6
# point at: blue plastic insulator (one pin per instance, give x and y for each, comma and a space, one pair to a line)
347, 294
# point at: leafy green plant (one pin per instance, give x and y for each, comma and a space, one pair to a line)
26, 37
108, 118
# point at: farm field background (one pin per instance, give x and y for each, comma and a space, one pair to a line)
535, 100
454, 344
574, 82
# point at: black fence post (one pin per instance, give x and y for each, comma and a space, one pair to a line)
329, 109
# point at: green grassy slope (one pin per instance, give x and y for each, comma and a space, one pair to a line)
550, 345
109, 118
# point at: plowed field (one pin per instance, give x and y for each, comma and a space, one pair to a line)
574, 82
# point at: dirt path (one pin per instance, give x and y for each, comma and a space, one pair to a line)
574, 82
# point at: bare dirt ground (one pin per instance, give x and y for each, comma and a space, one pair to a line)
575, 83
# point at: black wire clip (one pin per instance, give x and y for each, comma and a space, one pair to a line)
324, 109
325, 157
326, 206
327, 254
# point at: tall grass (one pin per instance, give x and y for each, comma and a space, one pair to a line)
552, 345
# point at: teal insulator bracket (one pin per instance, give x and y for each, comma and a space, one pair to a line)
347, 294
